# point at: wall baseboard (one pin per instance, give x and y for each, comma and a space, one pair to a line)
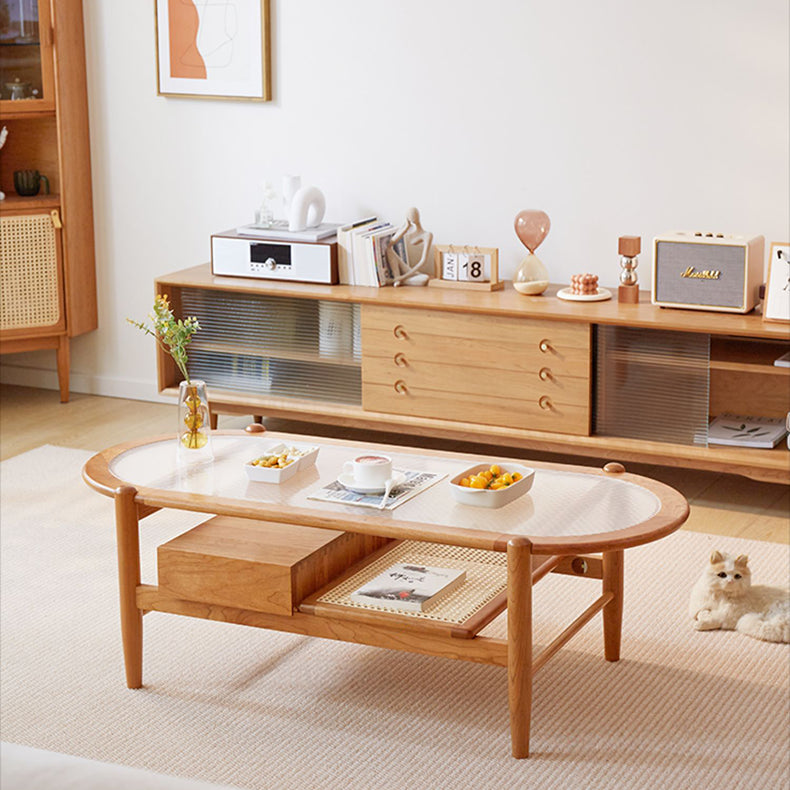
42, 378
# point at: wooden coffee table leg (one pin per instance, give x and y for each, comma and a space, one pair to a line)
519, 638
128, 540
613, 611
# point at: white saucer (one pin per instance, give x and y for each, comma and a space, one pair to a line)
347, 481
600, 296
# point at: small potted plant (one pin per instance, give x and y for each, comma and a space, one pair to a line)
173, 336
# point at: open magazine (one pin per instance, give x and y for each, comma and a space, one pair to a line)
413, 482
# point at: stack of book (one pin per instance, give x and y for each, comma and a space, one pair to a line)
362, 252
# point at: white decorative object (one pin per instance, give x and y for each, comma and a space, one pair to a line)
601, 295
3, 135
291, 185
304, 206
335, 329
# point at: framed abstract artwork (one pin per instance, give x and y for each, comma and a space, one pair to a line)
213, 49
776, 306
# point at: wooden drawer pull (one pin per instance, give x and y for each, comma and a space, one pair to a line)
545, 402
545, 374
400, 360
400, 387
545, 346
400, 332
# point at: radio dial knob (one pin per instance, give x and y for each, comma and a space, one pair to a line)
270, 263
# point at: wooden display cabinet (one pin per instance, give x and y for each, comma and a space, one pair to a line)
489, 367
51, 268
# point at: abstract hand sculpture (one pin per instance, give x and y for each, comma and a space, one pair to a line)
417, 242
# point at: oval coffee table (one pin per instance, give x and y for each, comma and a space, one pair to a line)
274, 557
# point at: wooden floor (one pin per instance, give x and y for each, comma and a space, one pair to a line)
720, 504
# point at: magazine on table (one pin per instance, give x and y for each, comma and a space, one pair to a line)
409, 587
738, 431
413, 482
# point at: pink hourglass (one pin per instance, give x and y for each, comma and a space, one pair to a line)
531, 277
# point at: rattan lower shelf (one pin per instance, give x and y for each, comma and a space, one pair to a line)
463, 613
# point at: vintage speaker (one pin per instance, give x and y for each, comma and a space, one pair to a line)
707, 271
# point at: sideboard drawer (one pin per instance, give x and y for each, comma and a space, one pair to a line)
487, 341
490, 370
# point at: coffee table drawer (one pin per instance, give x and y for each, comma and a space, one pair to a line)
259, 565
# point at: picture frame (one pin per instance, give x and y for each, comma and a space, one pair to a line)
213, 50
467, 266
776, 305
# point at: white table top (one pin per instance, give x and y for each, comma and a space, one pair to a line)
572, 504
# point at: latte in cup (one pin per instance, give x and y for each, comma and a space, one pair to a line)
369, 470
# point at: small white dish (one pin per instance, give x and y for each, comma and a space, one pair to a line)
274, 474
601, 295
347, 481
485, 497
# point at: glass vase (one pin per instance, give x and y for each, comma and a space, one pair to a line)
531, 277
194, 439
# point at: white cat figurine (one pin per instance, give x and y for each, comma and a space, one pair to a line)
723, 597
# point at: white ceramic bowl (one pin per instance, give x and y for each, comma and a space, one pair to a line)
269, 474
485, 497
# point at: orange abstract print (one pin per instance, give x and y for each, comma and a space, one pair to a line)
185, 59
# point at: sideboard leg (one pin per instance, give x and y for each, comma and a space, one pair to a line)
128, 540
613, 611
519, 638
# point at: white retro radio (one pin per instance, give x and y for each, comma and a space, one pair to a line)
237, 255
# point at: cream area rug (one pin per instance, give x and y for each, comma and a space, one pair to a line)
258, 709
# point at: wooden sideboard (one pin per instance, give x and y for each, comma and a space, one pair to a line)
490, 367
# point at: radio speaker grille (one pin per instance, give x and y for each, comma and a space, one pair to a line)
674, 258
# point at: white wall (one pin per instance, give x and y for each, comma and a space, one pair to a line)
615, 117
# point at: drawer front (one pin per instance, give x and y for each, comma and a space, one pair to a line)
483, 369
477, 341
531, 414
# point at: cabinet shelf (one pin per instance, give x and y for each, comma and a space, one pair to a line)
261, 352
15, 204
747, 356
33, 108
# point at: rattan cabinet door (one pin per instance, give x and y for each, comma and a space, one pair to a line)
31, 288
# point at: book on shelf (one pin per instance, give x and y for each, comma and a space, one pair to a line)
279, 231
376, 255
409, 588
739, 431
345, 248
361, 259
783, 361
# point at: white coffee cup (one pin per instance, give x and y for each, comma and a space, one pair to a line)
370, 470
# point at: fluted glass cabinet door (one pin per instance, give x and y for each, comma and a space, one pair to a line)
26, 69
